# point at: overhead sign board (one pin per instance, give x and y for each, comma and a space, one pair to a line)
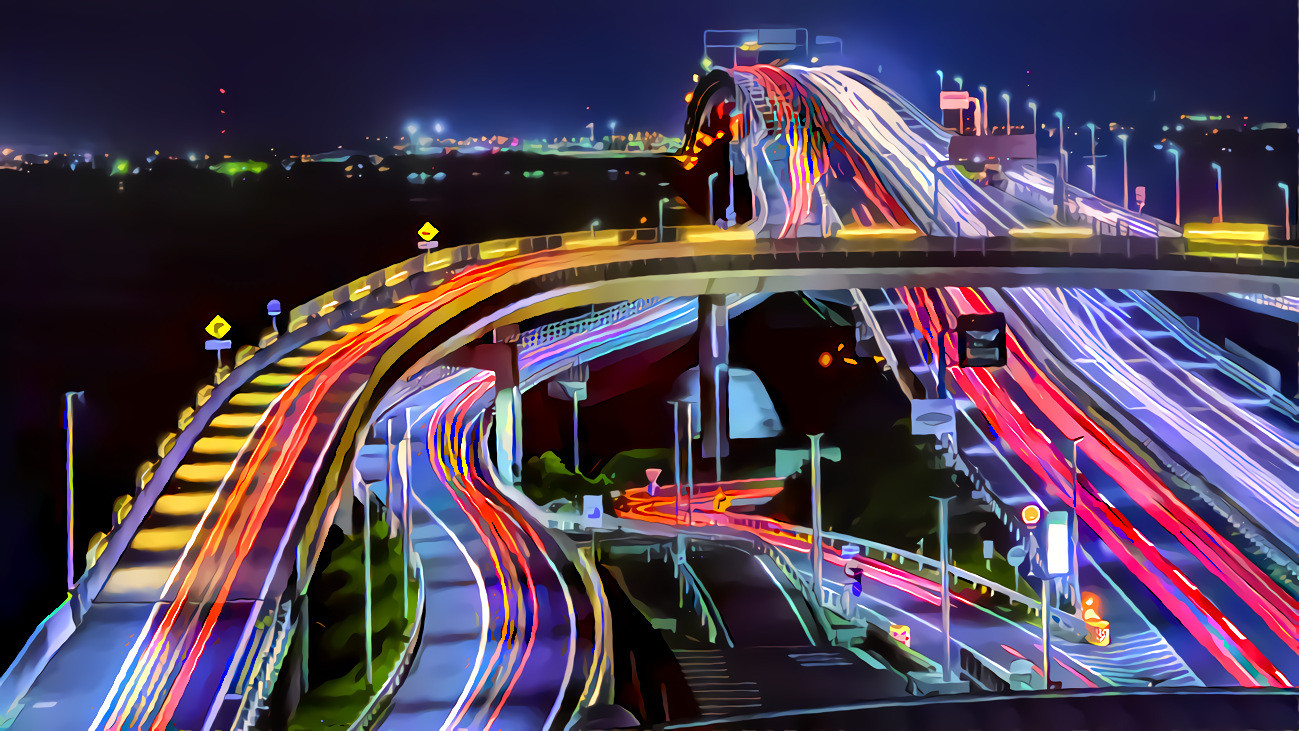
982, 339
953, 100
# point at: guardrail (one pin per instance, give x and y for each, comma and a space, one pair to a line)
556, 331
380, 702
256, 687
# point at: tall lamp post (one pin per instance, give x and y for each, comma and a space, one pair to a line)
1218, 169
984, 91
67, 424
1123, 139
1032, 105
1077, 588
947, 600
1285, 194
1059, 117
1092, 128
661, 202
940, 91
1005, 99
1177, 183
960, 86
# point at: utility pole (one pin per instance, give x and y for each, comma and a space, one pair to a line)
1046, 632
67, 423
947, 597
369, 618
690, 466
1077, 586
676, 455
817, 553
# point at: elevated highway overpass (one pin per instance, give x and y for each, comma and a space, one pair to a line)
348, 347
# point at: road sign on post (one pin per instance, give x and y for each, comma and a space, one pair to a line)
933, 416
217, 328
427, 232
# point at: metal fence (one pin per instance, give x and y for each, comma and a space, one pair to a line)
266, 658
383, 695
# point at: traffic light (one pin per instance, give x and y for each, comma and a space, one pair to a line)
982, 339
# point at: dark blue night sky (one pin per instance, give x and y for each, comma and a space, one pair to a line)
306, 75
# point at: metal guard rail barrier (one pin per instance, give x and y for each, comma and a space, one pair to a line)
382, 699
262, 681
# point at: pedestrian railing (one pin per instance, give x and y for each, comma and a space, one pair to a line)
557, 331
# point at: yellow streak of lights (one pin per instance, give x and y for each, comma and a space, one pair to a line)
218, 445
1053, 232
734, 234
1226, 231
191, 503
253, 398
162, 539
498, 249
592, 242
202, 472
890, 232
437, 260
273, 379
315, 346
398, 277
236, 421
294, 361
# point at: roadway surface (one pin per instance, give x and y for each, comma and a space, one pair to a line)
1125, 505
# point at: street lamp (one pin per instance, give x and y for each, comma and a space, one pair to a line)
1005, 99
940, 88
711, 217
1063, 167
594, 223
1033, 106
1077, 590
1285, 194
1218, 169
661, 202
67, 424
1092, 127
1177, 182
984, 91
947, 600
1123, 139
960, 84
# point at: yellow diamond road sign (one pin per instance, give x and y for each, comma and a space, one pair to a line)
218, 327
428, 231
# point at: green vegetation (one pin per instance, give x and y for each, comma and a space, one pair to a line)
337, 692
547, 478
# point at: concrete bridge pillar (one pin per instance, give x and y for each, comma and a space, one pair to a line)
714, 378
502, 359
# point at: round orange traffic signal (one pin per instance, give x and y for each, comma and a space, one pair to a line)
1031, 514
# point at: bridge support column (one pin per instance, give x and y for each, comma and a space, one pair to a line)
509, 433
714, 378
502, 359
